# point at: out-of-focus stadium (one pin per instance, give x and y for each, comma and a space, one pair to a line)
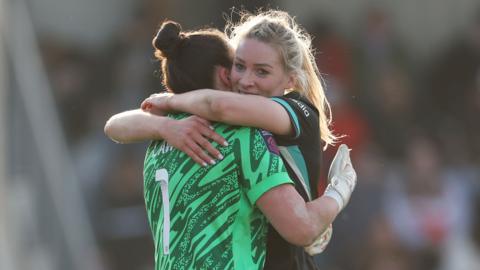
403, 79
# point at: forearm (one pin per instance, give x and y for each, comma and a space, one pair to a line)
313, 218
297, 221
200, 102
322, 212
135, 126
234, 109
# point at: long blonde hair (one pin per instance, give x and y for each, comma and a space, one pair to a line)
279, 29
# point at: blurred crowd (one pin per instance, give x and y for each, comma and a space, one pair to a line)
412, 125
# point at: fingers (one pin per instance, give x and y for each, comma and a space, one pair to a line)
345, 152
205, 145
155, 100
343, 155
202, 121
337, 162
146, 105
342, 177
195, 157
348, 167
320, 243
208, 132
340, 162
192, 136
197, 154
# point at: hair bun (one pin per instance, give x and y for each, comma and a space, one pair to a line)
168, 38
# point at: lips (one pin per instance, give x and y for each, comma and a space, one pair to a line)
247, 93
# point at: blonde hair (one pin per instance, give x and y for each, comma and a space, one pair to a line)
279, 29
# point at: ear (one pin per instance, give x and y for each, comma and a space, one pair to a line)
224, 75
291, 81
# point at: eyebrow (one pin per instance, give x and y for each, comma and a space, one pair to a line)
256, 64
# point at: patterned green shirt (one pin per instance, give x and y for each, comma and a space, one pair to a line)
213, 220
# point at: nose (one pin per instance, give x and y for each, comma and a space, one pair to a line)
246, 80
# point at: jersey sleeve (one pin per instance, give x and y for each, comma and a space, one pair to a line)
261, 166
303, 117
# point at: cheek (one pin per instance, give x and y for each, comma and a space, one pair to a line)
265, 87
234, 77
268, 84
271, 87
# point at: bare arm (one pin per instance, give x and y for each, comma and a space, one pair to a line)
135, 126
301, 222
228, 107
297, 221
187, 135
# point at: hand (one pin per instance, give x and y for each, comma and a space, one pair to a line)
342, 178
320, 243
190, 135
157, 103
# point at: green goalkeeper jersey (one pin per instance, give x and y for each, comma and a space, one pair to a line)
206, 217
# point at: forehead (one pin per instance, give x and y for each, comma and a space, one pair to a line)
257, 52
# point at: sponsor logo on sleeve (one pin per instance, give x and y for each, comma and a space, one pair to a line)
302, 106
270, 142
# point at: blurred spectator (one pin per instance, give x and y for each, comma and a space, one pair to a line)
394, 114
383, 250
463, 253
454, 87
423, 206
334, 61
135, 71
378, 50
73, 83
121, 220
383, 82
362, 214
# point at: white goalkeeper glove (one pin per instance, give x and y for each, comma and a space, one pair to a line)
320, 243
342, 178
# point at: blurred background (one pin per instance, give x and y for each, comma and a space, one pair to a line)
403, 79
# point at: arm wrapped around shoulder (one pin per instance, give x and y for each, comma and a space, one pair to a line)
342, 177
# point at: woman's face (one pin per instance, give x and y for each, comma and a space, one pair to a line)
257, 69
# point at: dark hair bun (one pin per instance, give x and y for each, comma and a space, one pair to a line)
168, 38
